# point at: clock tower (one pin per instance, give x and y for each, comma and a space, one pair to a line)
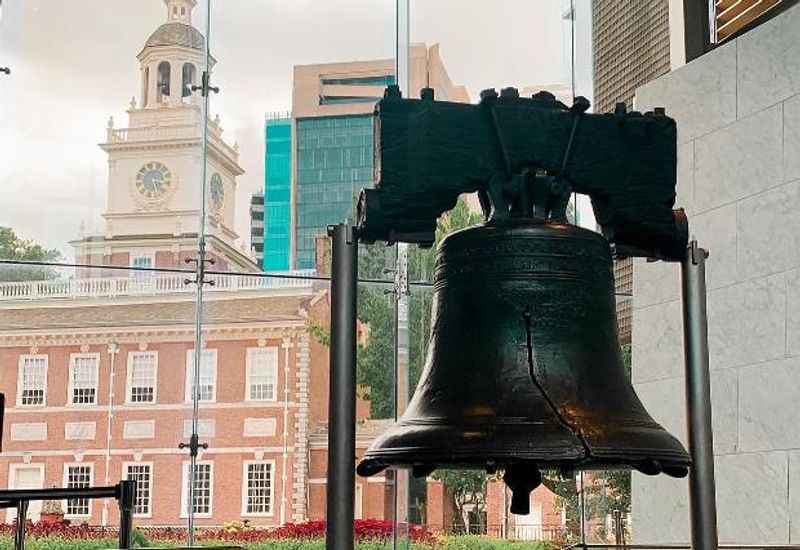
155, 163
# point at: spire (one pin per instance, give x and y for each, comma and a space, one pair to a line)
180, 10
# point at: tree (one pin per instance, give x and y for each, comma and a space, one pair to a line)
12, 247
376, 310
466, 487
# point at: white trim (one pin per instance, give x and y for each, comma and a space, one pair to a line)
147, 427
70, 383
39, 430
78, 428
125, 466
253, 427
358, 504
67, 466
190, 371
272, 479
160, 407
273, 366
20, 378
185, 489
128, 378
12, 482
148, 451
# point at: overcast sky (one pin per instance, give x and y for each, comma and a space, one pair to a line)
74, 64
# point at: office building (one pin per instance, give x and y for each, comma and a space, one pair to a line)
332, 106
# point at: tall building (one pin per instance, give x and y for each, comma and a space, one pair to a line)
332, 108
98, 368
257, 227
277, 191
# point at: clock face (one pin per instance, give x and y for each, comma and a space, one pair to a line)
217, 191
153, 180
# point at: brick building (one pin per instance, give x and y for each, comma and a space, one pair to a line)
96, 368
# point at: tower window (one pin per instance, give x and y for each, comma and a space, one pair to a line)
189, 76
183, 11
175, 10
163, 80
146, 84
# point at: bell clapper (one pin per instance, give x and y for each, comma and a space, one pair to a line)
522, 479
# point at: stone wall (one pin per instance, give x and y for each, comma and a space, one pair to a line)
738, 113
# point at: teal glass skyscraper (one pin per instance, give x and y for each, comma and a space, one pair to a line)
277, 193
334, 162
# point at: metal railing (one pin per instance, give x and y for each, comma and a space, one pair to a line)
141, 285
124, 492
533, 532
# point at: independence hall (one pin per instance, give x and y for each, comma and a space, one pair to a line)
96, 368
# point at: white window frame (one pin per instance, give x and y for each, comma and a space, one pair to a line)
273, 477
358, 505
20, 378
190, 373
11, 513
71, 385
125, 466
67, 466
151, 256
185, 489
251, 352
129, 378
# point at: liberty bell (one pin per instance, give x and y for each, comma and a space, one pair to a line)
524, 370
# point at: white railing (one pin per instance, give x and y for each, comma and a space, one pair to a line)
143, 284
144, 133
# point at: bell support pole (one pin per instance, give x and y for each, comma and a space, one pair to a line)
342, 405
702, 492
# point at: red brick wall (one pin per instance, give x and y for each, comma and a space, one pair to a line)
226, 446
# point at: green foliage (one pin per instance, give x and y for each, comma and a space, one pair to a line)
319, 333
59, 543
466, 487
376, 310
12, 247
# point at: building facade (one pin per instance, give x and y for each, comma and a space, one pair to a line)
97, 367
332, 108
257, 227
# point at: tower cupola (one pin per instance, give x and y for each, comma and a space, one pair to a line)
180, 11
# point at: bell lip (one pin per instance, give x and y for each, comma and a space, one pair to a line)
372, 466
674, 464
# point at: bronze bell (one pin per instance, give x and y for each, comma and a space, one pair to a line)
524, 368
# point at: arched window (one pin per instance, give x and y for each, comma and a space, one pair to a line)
146, 85
189, 75
163, 80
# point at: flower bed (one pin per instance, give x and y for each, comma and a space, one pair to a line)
369, 534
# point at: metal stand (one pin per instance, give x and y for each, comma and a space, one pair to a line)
342, 405
702, 493
19, 532
124, 492
126, 499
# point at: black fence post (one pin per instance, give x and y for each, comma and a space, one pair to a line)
22, 519
125, 499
